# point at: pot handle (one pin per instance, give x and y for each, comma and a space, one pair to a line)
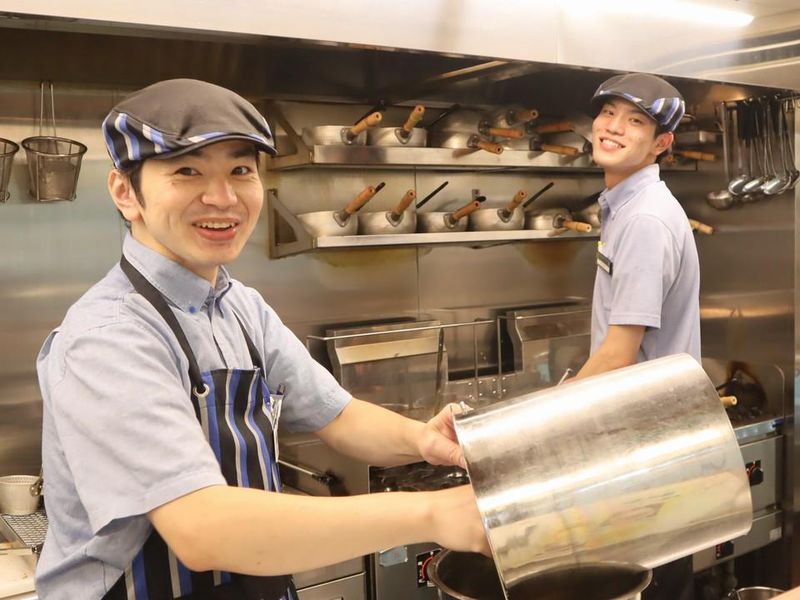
465, 210
366, 194
570, 151
728, 401
701, 227
504, 132
576, 226
476, 142
365, 123
516, 201
404, 203
558, 127
414, 118
696, 155
525, 115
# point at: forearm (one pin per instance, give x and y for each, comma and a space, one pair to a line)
620, 348
602, 361
264, 533
374, 435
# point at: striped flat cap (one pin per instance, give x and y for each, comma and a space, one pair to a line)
651, 94
176, 116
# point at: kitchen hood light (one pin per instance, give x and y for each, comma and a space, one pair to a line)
678, 10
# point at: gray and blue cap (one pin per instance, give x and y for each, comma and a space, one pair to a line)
176, 116
650, 93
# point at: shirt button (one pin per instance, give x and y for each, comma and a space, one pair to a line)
193, 309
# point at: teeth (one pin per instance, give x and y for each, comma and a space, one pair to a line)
215, 225
611, 143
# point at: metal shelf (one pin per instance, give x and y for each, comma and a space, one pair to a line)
452, 159
287, 236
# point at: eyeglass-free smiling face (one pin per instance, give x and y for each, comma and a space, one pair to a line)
624, 140
197, 209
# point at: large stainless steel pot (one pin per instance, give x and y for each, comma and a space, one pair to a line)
444, 222
468, 576
326, 135
323, 223
506, 218
555, 219
397, 220
755, 593
635, 466
406, 135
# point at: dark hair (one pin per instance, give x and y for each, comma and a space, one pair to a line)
134, 175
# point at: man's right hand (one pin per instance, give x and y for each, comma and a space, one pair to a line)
457, 523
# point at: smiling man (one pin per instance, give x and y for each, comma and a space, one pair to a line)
645, 303
164, 385
646, 294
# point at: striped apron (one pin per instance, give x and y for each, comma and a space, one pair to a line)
239, 417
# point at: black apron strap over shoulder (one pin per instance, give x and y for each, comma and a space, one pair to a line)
154, 297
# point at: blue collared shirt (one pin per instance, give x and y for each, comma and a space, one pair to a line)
120, 437
647, 244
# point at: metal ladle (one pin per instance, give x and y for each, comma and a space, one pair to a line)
790, 160
756, 184
740, 139
723, 199
779, 182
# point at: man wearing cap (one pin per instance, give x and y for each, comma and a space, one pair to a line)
164, 384
645, 303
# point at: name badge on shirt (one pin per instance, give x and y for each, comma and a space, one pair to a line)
603, 261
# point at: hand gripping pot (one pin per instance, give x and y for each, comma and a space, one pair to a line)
639, 466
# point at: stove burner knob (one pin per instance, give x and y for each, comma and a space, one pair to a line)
755, 474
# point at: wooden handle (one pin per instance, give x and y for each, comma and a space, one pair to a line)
505, 132
476, 142
525, 115
701, 227
576, 226
403, 204
696, 155
414, 118
465, 210
516, 201
365, 123
558, 127
556, 149
363, 197
728, 401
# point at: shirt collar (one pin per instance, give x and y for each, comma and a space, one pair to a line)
177, 284
615, 198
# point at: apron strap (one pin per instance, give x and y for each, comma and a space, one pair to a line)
154, 297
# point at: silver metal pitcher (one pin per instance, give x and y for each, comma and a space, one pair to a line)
636, 466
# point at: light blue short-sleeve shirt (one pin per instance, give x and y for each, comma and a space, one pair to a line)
648, 271
120, 437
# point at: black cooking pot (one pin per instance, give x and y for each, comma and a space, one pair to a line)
468, 576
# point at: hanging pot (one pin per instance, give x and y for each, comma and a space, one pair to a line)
397, 220
323, 223
327, 135
445, 222
470, 129
407, 135
555, 219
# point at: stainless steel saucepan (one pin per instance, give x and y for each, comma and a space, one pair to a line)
397, 220
471, 129
499, 219
442, 222
514, 116
323, 223
408, 134
326, 135
557, 220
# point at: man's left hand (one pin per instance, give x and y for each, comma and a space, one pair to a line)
438, 443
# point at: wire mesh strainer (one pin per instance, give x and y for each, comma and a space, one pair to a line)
54, 163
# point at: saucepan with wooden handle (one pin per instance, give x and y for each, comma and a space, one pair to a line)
349, 135
324, 223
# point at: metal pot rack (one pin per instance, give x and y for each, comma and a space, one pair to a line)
288, 236
452, 159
